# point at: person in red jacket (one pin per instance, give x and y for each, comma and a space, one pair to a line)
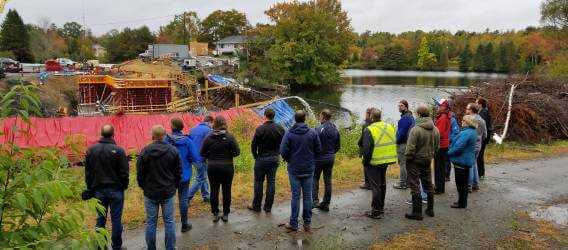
443, 123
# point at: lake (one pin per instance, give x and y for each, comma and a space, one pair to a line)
384, 89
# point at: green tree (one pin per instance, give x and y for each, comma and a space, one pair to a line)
182, 30
36, 208
507, 57
426, 59
484, 59
311, 41
14, 37
221, 24
465, 59
555, 13
73, 33
394, 58
127, 44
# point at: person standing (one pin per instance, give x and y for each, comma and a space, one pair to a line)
299, 148
106, 176
366, 123
423, 141
486, 115
265, 150
462, 155
473, 110
330, 142
443, 124
188, 154
219, 148
379, 151
405, 123
159, 170
197, 134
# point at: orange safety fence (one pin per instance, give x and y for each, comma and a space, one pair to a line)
132, 132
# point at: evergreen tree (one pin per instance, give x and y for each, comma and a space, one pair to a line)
507, 57
478, 58
394, 58
443, 59
489, 58
465, 59
14, 37
426, 59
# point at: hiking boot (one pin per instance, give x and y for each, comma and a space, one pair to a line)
315, 204
225, 218
365, 187
430, 208
251, 208
307, 228
290, 229
475, 188
416, 209
216, 217
456, 205
400, 186
375, 215
186, 227
323, 207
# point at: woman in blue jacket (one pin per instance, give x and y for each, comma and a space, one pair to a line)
462, 155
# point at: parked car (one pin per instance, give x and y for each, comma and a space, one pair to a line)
189, 64
66, 62
53, 66
10, 65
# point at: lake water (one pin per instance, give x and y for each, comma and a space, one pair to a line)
384, 89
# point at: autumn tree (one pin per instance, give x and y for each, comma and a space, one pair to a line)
14, 37
426, 59
221, 24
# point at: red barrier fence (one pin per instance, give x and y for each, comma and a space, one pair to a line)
131, 131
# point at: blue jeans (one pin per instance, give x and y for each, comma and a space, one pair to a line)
473, 173
301, 185
183, 200
114, 199
152, 207
200, 182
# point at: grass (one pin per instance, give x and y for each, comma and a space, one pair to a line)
417, 239
529, 233
514, 151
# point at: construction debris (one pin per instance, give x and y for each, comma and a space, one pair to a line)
539, 107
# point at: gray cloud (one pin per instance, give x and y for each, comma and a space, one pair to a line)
377, 15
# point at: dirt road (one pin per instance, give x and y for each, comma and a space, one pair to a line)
508, 188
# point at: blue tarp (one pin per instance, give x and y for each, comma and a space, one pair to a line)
284, 113
220, 80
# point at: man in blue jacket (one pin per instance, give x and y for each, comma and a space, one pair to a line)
299, 148
188, 154
197, 135
405, 123
330, 143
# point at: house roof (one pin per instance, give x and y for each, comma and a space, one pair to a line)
232, 39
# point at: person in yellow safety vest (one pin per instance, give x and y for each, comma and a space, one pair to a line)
379, 151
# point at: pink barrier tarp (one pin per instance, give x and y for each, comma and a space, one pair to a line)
131, 131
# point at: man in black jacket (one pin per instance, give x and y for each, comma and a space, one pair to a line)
486, 115
158, 174
106, 174
265, 150
330, 145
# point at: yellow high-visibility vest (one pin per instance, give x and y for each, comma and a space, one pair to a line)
384, 136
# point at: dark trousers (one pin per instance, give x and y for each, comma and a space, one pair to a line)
419, 172
440, 161
377, 179
265, 168
220, 177
183, 201
462, 176
325, 167
481, 159
113, 199
366, 174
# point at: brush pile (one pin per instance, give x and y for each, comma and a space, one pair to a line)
539, 112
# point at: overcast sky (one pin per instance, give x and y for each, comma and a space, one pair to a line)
375, 15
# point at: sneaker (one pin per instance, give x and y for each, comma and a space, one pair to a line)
475, 188
307, 228
186, 227
290, 229
374, 215
456, 205
409, 202
225, 218
400, 186
315, 204
324, 208
216, 218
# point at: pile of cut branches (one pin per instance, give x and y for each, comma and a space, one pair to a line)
539, 110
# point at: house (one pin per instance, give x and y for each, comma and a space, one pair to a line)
99, 51
230, 45
198, 49
166, 50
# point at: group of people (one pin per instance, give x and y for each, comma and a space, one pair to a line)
165, 166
